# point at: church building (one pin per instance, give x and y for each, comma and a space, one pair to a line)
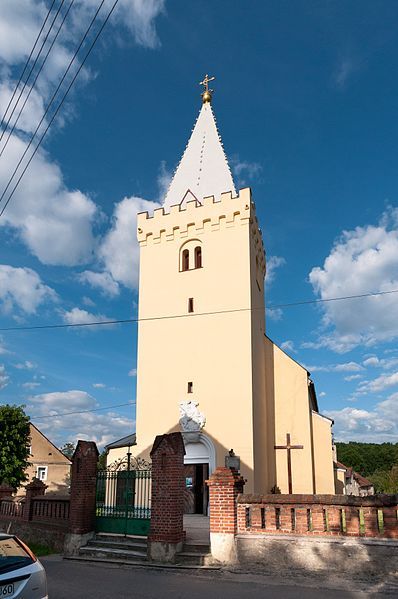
206, 366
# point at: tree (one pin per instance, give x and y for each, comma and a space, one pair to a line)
102, 460
14, 445
68, 449
386, 481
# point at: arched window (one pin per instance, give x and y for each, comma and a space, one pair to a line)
185, 260
198, 257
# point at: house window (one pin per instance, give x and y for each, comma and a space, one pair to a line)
41, 472
190, 387
185, 260
198, 257
190, 304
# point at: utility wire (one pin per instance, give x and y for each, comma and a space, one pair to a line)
129, 403
36, 77
27, 63
192, 315
31, 70
59, 105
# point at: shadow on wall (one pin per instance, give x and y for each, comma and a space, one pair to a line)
360, 560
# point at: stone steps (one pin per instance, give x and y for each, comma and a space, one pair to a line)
132, 550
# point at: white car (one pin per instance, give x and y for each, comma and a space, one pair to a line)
21, 574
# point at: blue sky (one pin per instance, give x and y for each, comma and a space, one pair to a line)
306, 105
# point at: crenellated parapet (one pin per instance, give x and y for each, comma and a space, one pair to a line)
196, 218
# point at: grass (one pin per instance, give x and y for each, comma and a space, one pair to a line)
40, 550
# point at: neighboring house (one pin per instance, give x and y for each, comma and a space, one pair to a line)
48, 463
356, 484
339, 477
349, 482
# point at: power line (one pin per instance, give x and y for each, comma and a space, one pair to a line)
192, 315
27, 63
59, 105
37, 76
31, 69
129, 403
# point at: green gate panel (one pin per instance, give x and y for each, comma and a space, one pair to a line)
133, 526
123, 501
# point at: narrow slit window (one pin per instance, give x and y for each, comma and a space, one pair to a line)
190, 304
198, 257
190, 387
185, 260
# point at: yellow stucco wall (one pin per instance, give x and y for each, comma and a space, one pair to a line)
287, 390
213, 351
323, 454
45, 454
250, 391
339, 481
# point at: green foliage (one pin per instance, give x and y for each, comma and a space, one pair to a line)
386, 481
68, 449
367, 458
14, 445
101, 465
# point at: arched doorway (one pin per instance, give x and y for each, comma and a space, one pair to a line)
200, 461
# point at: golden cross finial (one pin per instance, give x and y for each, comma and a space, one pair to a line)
206, 94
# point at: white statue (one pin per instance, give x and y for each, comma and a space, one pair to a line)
191, 419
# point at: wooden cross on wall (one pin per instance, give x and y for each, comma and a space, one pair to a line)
289, 447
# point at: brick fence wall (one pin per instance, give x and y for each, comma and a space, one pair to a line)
324, 515
233, 512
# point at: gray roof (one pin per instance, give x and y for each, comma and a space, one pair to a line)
123, 442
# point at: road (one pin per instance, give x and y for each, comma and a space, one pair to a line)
80, 580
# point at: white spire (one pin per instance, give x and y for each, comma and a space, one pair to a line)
203, 170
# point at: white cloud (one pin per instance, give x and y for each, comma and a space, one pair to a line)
101, 427
79, 316
27, 365
288, 345
362, 261
139, 17
164, 180
22, 288
87, 301
273, 263
372, 426
133, 372
119, 250
244, 170
352, 377
372, 361
348, 367
99, 385
343, 367
322, 394
3, 348
274, 314
54, 222
379, 384
30, 385
383, 363
102, 280
344, 71
4, 378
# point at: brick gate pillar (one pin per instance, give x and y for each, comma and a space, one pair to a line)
82, 496
33, 489
166, 534
225, 484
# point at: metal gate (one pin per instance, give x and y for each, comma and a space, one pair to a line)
123, 497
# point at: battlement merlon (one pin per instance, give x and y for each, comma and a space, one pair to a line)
195, 217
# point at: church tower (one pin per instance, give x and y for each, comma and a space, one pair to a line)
205, 364
202, 268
